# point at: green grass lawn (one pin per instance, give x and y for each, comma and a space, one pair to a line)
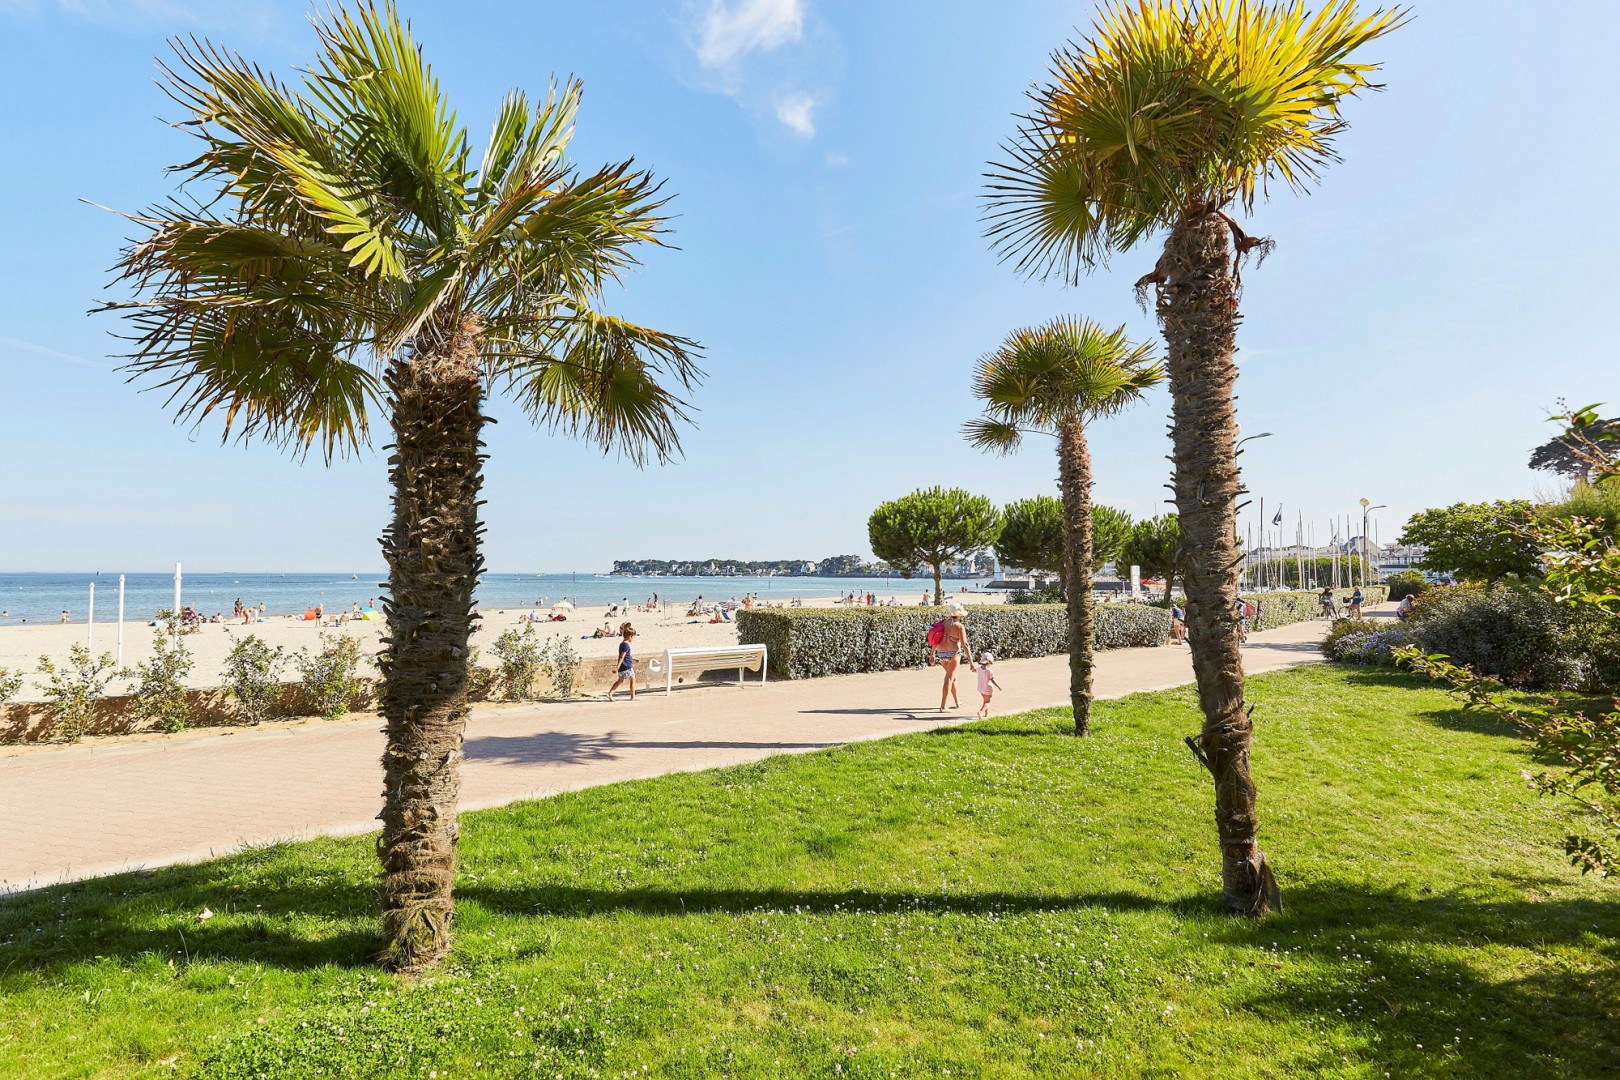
995, 900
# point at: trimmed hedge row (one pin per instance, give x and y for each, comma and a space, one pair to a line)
1282, 608
806, 643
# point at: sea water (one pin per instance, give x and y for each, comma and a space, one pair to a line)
37, 598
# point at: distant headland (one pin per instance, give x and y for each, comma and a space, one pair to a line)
837, 566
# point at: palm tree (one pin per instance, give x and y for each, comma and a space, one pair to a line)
336, 250
1056, 379
1170, 117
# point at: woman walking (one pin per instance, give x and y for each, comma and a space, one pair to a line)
952, 648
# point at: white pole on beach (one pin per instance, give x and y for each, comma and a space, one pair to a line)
90, 633
120, 660
176, 611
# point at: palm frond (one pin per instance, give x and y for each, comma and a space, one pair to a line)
1172, 107
1042, 377
600, 378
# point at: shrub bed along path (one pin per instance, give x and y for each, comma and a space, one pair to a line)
109, 806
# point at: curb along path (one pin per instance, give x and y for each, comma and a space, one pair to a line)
105, 807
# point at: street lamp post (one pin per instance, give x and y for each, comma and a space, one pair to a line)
1366, 561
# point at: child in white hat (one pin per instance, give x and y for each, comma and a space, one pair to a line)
987, 682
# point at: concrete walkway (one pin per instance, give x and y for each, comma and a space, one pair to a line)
107, 806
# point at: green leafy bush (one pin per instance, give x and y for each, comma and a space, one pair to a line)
1404, 583
159, 697
331, 677
1521, 636
517, 658
72, 691
559, 663
1046, 594
10, 683
252, 676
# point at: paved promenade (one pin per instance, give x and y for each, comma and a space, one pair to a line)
106, 806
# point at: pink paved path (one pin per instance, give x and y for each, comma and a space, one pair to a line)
106, 806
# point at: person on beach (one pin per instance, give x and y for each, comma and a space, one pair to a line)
627, 663
987, 682
64, 618
952, 647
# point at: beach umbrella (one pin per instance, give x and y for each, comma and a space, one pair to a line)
562, 605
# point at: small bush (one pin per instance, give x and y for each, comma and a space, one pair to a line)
73, 691
1404, 583
518, 657
160, 689
253, 677
1365, 641
10, 683
330, 678
1046, 594
559, 663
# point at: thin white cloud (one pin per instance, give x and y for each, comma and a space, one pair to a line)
29, 346
794, 111
729, 31
836, 160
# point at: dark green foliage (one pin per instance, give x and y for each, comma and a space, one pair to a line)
931, 527
1477, 541
1110, 528
1598, 503
1050, 593
1032, 535
1520, 636
1154, 544
1562, 453
1404, 583
331, 677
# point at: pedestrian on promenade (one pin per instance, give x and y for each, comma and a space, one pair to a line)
987, 682
1355, 603
627, 663
949, 652
1178, 625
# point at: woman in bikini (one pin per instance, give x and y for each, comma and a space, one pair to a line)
950, 651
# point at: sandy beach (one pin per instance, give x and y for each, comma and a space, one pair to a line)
671, 628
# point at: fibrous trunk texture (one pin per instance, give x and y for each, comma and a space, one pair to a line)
1074, 483
432, 549
1197, 304
939, 584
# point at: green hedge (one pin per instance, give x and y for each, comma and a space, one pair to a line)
805, 643
1282, 608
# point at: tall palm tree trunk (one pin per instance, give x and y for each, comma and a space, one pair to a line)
1074, 483
939, 584
1198, 309
433, 564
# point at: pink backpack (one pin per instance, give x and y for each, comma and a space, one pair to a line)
936, 634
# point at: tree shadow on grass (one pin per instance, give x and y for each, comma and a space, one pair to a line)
263, 909
1405, 977
1457, 719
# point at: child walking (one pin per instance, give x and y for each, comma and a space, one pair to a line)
987, 682
627, 663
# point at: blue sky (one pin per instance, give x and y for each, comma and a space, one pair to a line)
1425, 307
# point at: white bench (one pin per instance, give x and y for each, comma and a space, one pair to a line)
741, 657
